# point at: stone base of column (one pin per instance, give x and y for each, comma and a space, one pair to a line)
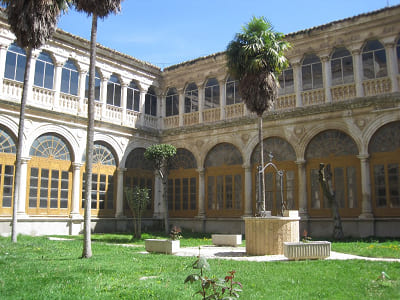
76, 222
366, 227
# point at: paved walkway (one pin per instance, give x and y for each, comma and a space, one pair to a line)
239, 253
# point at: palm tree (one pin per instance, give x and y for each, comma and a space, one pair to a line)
33, 22
255, 57
96, 8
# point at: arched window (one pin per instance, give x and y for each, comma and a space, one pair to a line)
44, 71
133, 96
211, 94
342, 67
15, 63
103, 181
232, 91
286, 81
374, 60
337, 149
7, 160
114, 91
172, 102
191, 98
97, 84
182, 185
224, 181
311, 72
69, 78
139, 172
150, 103
50, 176
384, 149
398, 54
282, 154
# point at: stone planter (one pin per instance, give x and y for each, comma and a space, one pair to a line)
307, 250
266, 235
162, 246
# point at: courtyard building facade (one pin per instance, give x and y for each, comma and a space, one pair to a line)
338, 104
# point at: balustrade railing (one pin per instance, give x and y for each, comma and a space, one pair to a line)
313, 97
43, 97
191, 118
171, 122
211, 115
285, 102
377, 86
234, 111
343, 92
132, 118
150, 121
69, 103
12, 89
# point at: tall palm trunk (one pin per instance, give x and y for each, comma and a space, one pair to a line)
20, 142
87, 247
261, 175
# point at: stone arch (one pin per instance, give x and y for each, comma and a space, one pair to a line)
223, 154
60, 131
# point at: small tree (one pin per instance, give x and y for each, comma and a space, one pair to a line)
137, 198
325, 180
161, 156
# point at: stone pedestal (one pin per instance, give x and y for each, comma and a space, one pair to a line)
162, 246
232, 240
307, 250
266, 235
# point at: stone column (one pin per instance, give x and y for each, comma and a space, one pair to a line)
392, 65
3, 55
366, 226
21, 197
358, 72
119, 207
82, 88
298, 83
103, 93
200, 90
76, 188
222, 98
326, 71
124, 94
366, 202
31, 79
181, 106
248, 191
57, 80
202, 206
302, 196
158, 212
142, 102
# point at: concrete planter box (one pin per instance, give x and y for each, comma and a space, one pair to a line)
162, 246
308, 250
232, 240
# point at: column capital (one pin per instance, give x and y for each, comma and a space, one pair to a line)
363, 156
300, 162
77, 165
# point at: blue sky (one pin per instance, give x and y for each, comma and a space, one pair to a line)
165, 33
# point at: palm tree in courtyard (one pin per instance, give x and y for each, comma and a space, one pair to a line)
33, 22
96, 8
255, 57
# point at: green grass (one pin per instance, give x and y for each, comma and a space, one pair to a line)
370, 248
38, 268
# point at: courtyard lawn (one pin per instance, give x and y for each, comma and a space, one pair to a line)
39, 268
